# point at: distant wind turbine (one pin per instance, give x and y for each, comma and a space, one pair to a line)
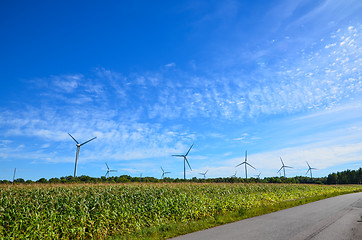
109, 170
246, 163
234, 174
77, 154
185, 160
204, 174
164, 173
283, 166
310, 170
258, 176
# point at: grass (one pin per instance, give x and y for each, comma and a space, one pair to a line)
142, 211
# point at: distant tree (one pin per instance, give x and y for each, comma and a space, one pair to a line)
19, 180
42, 180
54, 180
332, 178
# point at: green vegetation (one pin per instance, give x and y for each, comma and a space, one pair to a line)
97, 211
345, 177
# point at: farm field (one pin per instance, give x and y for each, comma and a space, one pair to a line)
98, 211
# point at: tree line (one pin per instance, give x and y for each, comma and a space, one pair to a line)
344, 177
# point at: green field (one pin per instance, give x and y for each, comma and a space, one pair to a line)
142, 210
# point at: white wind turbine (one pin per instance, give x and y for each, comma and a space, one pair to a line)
109, 170
185, 160
283, 166
204, 174
246, 163
164, 173
310, 170
77, 154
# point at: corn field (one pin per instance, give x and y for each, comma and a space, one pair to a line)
100, 211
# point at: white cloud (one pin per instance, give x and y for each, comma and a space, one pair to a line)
172, 64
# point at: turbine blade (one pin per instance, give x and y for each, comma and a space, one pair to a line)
308, 164
280, 169
246, 155
239, 164
206, 171
307, 172
188, 163
288, 167
177, 155
162, 169
189, 150
250, 165
88, 141
113, 170
107, 166
73, 138
282, 161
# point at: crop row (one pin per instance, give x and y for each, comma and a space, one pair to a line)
98, 211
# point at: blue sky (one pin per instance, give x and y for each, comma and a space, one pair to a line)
148, 79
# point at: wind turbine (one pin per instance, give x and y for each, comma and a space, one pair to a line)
77, 154
204, 174
14, 175
258, 176
234, 174
283, 166
246, 163
185, 160
164, 173
310, 170
109, 170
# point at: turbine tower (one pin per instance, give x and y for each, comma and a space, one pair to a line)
109, 170
185, 160
164, 173
310, 170
204, 174
14, 175
283, 166
77, 154
246, 163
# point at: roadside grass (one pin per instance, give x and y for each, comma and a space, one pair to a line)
171, 230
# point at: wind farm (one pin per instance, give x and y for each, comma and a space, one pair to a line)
153, 119
202, 196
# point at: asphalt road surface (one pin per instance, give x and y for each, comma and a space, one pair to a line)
336, 218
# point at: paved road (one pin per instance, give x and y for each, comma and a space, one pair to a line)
334, 218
